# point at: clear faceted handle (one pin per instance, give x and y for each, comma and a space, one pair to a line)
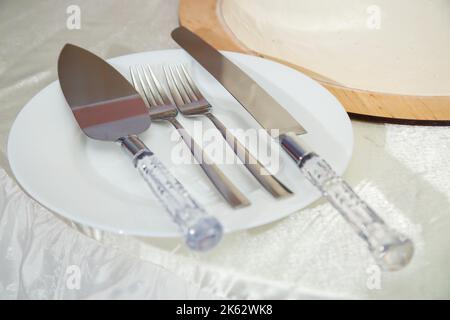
201, 231
391, 250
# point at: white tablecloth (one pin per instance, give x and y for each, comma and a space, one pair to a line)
402, 171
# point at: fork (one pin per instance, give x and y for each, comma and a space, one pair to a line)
190, 102
161, 108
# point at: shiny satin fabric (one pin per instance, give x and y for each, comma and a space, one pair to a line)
43, 257
402, 171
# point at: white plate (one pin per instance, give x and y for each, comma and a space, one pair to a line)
94, 183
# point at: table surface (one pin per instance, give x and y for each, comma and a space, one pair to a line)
402, 171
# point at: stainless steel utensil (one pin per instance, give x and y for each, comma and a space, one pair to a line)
391, 250
108, 108
190, 102
161, 108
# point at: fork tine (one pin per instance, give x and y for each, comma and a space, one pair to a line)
172, 87
148, 89
151, 85
139, 86
133, 79
185, 85
191, 83
162, 93
179, 86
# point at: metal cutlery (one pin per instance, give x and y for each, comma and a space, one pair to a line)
390, 249
190, 102
108, 108
162, 109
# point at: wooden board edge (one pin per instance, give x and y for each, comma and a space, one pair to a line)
200, 16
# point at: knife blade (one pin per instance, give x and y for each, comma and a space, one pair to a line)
390, 249
252, 97
107, 107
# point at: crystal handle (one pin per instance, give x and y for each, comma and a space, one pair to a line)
390, 249
201, 231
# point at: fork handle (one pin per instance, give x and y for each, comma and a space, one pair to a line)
201, 231
226, 188
256, 168
390, 249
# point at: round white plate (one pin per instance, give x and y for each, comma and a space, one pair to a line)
94, 183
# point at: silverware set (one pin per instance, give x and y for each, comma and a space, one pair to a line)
390, 249
108, 108
188, 100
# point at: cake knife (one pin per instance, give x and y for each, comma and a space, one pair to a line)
390, 249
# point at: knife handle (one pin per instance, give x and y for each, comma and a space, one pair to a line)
201, 231
390, 249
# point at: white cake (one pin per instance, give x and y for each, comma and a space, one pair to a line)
396, 46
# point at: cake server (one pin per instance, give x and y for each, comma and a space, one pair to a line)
108, 108
390, 249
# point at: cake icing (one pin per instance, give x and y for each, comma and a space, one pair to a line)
399, 46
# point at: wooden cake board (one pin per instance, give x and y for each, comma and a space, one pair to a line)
201, 17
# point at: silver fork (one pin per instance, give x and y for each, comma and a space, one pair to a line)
162, 109
190, 102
